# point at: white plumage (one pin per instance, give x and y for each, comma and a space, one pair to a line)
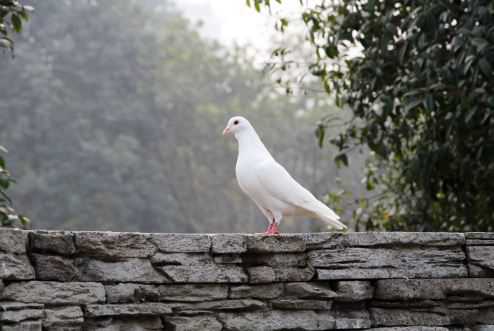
268, 183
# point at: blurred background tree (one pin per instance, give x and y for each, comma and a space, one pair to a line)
418, 79
12, 16
114, 112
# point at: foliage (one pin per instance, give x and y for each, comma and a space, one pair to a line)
12, 16
421, 89
8, 216
118, 108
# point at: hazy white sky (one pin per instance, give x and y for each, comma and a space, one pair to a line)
231, 21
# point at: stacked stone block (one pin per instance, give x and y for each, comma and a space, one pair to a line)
71, 281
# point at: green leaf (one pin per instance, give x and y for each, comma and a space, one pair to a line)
331, 51
341, 159
16, 22
257, 5
320, 132
485, 67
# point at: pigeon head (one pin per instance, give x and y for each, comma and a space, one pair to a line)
236, 125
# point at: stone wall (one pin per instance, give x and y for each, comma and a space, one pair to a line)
131, 281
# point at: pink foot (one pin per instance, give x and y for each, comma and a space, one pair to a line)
274, 230
268, 230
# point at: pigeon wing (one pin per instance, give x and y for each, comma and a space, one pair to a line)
278, 182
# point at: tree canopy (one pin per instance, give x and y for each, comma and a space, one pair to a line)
421, 91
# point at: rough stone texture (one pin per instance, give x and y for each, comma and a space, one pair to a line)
15, 267
24, 326
297, 304
375, 263
63, 317
425, 316
16, 316
205, 274
13, 241
229, 243
134, 323
479, 238
276, 260
278, 320
352, 319
383, 239
105, 281
58, 268
354, 290
243, 304
195, 323
261, 291
266, 274
128, 292
275, 244
149, 308
55, 292
131, 270
113, 245
188, 259
310, 290
182, 243
435, 289
481, 260
192, 292
52, 242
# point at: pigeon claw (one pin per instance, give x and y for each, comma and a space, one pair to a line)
274, 229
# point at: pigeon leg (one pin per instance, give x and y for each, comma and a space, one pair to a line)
274, 224
268, 230
274, 229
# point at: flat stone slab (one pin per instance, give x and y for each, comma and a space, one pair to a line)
192, 292
13, 240
275, 244
111, 245
374, 263
435, 289
221, 305
63, 317
142, 309
131, 292
182, 243
229, 243
194, 323
205, 274
55, 292
277, 320
24, 326
15, 267
303, 290
354, 290
479, 238
53, 242
383, 239
259, 291
409, 317
481, 260
131, 270
53, 267
265, 274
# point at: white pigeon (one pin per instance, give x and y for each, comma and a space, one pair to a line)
268, 183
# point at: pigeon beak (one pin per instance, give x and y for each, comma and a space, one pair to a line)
226, 131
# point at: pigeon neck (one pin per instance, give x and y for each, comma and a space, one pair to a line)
249, 142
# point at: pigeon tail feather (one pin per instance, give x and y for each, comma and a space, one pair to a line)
325, 214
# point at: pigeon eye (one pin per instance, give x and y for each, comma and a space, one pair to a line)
235, 122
